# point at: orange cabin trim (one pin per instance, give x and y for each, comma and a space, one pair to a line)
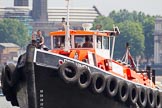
78, 32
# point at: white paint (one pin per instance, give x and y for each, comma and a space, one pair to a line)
90, 58
117, 69
103, 53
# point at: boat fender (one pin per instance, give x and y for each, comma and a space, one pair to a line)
123, 91
68, 72
5, 85
111, 86
142, 97
133, 93
150, 98
158, 99
84, 78
10, 74
7, 90
98, 82
14, 101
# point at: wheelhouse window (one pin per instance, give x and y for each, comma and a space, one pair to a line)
102, 42
58, 41
85, 41
99, 42
105, 42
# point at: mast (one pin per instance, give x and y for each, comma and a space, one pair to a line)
67, 30
128, 59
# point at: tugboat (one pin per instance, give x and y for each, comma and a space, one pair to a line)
79, 72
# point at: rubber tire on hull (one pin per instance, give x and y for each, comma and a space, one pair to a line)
7, 90
158, 99
14, 102
150, 98
133, 93
111, 86
123, 91
68, 72
3, 81
142, 97
10, 74
98, 82
84, 77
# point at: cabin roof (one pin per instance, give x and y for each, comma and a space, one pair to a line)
80, 32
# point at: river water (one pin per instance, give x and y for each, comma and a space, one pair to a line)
5, 104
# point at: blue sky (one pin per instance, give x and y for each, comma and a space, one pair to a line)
152, 7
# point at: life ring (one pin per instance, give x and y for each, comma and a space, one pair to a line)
133, 93
68, 72
84, 77
142, 97
111, 86
123, 91
150, 98
10, 74
7, 90
98, 82
158, 100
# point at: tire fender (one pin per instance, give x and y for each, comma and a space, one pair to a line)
111, 86
123, 91
142, 97
150, 98
133, 93
158, 99
68, 72
7, 90
10, 74
98, 82
84, 77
